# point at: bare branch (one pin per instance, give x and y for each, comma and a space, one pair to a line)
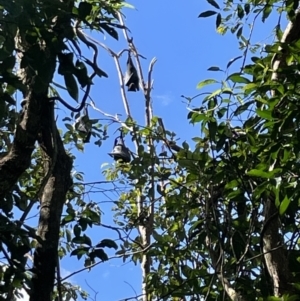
115, 118
134, 50
119, 70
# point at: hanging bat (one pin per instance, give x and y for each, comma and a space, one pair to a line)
132, 78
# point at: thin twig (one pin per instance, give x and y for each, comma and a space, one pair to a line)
96, 293
115, 118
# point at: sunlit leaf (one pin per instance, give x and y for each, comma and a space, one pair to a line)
264, 174
237, 78
206, 82
266, 114
284, 205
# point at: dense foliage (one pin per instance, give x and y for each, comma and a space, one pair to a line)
223, 216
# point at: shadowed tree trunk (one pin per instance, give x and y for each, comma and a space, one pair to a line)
57, 166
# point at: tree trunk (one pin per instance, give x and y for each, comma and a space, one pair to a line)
58, 167
273, 249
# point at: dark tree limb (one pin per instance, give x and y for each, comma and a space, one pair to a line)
29, 124
57, 165
19, 156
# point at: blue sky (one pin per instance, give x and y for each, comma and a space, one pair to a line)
185, 47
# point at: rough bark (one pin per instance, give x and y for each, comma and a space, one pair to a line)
57, 172
29, 124
19, 156
36, 123
274, 255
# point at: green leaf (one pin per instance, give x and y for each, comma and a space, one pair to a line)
284, 205
157, 237
279, 33
240, 11
212, 127
107, 243
160, 190
186, 271
264, 174
266, 12
247, 8
68, 235
185, 145
213, 94
214, 68
292, 297
232, 184
77, 230
84, 9
239, 32
99, 254
67, 219
218, 20
71, 85
233, 60
237, 78
206, 82
98, 71
65, 63
207, 13
250, 87
213, 3
80, 252
264, 114
82, 240
111, 31
81, 74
